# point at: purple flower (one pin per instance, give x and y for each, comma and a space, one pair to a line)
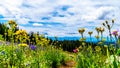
115, 33
33, 47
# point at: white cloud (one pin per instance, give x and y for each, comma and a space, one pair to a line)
36, 24
84, 11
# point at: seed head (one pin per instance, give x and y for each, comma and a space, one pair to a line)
113, 21
106, 22
82, 30
103, 24
90, 32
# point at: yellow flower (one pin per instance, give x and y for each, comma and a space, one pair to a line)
80, 47
90, 32
100, 43
82, 39
97, 29
81, 30
97, 36
23, 45
101, 29
83, 44
103, 39
97, 48
105, 46
17, 32
12, 23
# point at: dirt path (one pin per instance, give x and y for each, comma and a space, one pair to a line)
69, 64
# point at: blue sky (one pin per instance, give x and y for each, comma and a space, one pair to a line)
60, 17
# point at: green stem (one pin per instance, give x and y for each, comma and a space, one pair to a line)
110, 35
82, 35
101, 36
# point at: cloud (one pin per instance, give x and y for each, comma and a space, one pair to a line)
68, 14
36, 24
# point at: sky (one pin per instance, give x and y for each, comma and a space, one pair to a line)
60, 17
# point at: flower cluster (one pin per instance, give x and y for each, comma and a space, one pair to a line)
100, 29
44, 42
12, 23
21, 35
21, 32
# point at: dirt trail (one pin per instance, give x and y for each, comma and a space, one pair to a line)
69, 64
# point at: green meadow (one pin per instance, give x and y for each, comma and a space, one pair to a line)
19, 49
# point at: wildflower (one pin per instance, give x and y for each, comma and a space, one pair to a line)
21, 35
103, 24
106, 21
101, 29
105, 46
103, 39
80, 47
11, 22
90, 32
97, 37
33, 47
21, 32
113, 20
5, 33
97, 28
108, 26
23, 45
75, 50
83, 44
100, 43
97, 48
89, 48
82, 39
81, 31
115, 33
